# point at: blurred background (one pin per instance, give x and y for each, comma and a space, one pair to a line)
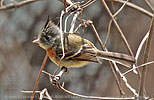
20, 60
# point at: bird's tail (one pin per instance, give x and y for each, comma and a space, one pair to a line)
123, 59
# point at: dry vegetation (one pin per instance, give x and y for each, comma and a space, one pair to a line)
124, 26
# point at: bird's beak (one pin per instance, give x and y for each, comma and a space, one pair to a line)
36, 41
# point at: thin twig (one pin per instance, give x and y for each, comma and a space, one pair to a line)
146, 57
73, 21
108, 32
113, 7
65, 26
120, 9
70, 14
2, 2
76, 13
96, 33
125, 80
61, 20
143, 65
92, 97
110, 62
127, 45
135, 7
87, 3
29, 91
17, 5
44, 91
116, 77
77, 28
139, 50
135, 71
68, 2
61, 87
38, 78
118, 28
149, 4
61, 34
65, 5
115, 18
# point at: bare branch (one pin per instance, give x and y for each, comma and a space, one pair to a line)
110, 62
139, 50
17, 5
73, 21
38, 78
125, 80
68, 2
113, 66
92, 97
61, 87
135, 7
120, 8
108, 32
87, 3
149, 4
118, 28
146, 57
96, 33
143, 65
61, 33
2, 2
44, 91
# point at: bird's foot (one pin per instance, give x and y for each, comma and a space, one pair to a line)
55, 78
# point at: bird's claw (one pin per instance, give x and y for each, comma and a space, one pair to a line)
54, 79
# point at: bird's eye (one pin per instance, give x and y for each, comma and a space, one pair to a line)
47, 38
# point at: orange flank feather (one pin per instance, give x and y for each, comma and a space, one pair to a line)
51, 54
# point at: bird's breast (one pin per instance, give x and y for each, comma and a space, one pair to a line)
52, 55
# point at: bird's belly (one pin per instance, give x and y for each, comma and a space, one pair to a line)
73, 63
65, 63
68, 63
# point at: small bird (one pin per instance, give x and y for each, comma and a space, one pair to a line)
78, 51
